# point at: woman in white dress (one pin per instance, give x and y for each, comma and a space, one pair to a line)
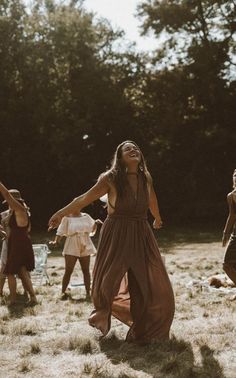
78, 228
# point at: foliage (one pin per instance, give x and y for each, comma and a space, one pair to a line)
191, 94
63, 94
69, 95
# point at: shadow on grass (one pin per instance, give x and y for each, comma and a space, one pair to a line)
20, 308
173, 358
78, 300
17, 310
170, 237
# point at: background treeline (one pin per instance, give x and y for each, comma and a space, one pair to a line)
71, 89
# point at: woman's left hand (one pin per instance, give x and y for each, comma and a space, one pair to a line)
3, 234
157, 223
224, 240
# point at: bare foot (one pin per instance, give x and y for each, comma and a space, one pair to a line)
32, 302
103, 326
64, 296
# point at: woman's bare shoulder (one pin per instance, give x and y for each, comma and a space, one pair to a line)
232, 194
106, 178
231, 198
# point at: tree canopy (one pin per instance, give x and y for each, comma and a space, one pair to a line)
68, 96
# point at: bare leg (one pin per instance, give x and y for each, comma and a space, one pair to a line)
12, 287
230, 270
25, 294
70, 262
27, 284
84, 263
2, 282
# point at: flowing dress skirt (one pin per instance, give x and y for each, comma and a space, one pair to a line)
130, 280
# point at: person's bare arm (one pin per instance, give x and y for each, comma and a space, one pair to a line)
153, 205
230, 220
96, 223
12, 202
55, 242
16, 206
98, 190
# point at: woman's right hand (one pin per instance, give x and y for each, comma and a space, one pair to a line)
55, 220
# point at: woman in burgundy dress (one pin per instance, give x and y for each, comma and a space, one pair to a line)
130, 280
20, 256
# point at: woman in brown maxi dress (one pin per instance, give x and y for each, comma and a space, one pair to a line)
130, 280
229, 235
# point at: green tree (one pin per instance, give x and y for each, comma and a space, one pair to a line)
191, 90
64, 99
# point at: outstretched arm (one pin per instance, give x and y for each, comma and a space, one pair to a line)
230, 220
97, 191
12, 202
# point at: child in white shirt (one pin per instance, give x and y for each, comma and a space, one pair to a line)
77, 228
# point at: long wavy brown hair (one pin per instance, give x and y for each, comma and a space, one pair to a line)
117, 172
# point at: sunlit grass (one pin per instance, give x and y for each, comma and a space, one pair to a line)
25, 366
55, 335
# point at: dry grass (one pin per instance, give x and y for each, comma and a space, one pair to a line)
53, 339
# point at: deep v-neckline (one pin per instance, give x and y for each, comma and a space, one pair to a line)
133, 192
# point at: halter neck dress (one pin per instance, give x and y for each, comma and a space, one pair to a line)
129, 279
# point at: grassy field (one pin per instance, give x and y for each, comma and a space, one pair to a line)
53, 339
